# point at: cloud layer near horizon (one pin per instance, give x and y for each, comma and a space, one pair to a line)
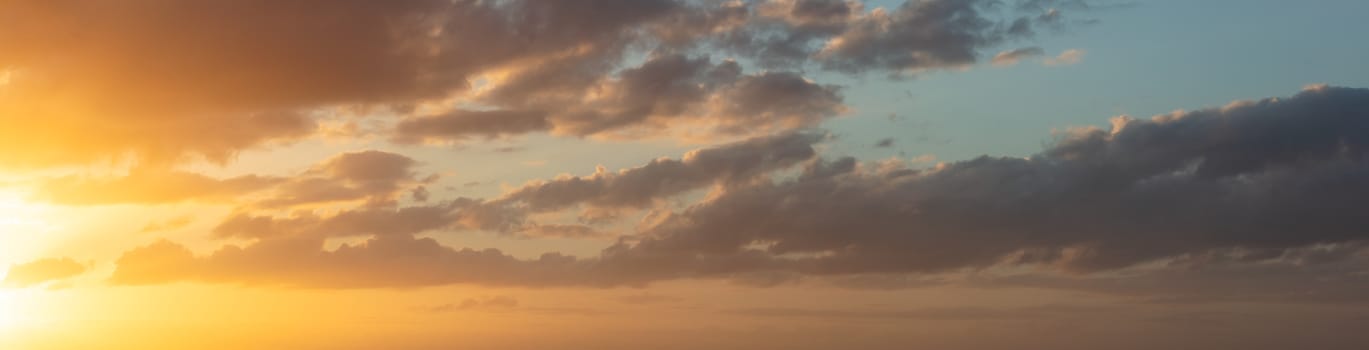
1267, 185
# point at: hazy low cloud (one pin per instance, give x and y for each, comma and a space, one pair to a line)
498, 302
42, 271
1268, 177
1025, 314
375, 176
1065, 58
148, 186
1011, 57
1254, 182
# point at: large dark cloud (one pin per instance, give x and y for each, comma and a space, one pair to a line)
664, 95
165, 78
1254, 182
162, 80
1272, 174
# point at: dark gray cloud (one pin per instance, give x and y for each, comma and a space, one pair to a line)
918, 35
913, 36
1254, 183
1269, 174
253, 73
1321, 274
664, 92
733, 164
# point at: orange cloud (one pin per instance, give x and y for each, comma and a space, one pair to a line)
42, 271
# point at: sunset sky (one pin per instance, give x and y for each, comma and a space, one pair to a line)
684, 174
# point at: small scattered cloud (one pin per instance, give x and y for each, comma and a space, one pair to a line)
1068, 57
167, 225
42, 271
497, 302
648, 298
1011, 57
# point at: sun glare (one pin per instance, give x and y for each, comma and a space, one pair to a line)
22, 226
11, 315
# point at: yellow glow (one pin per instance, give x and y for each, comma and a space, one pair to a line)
22, 226
16, 212
11, 317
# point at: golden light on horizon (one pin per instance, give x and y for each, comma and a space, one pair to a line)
683, 174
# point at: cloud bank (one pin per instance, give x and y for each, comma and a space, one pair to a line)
162, 81
1267, 184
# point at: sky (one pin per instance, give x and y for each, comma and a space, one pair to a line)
684, 174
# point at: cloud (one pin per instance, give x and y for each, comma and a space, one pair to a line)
666, 92
498, 302
1224, 276
915, 36
1034, 313
385, 261
733, 163
250, 65
1065, 58
647, 298
376, 176
463, 123
258, 66
42, 271
1270, 174
148, 186
133, 81
1011, 57
167, 225
1268, 179
364, 221
605, 193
